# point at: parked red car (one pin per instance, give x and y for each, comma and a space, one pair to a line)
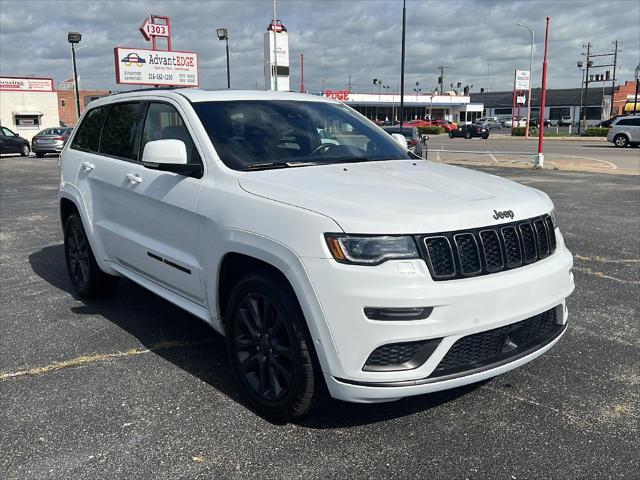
446, 124
417, 123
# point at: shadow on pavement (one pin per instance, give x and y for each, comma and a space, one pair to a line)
193, 346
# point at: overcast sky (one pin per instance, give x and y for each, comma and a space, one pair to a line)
478, 39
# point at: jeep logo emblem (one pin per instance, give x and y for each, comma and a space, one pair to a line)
503, 214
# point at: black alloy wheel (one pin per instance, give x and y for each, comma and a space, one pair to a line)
86, 277
270, 348
467, 135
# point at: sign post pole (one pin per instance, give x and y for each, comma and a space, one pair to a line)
513, 107
539, 161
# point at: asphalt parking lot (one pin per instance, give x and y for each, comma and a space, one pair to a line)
133, 387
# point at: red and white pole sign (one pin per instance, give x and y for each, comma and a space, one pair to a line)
141, 66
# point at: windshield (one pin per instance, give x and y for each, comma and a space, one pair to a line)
250, 135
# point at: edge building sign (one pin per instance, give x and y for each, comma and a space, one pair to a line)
155, 67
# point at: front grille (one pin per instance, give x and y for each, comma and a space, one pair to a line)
487, 250
491, 346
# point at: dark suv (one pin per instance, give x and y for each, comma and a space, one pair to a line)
470, 131
11, 142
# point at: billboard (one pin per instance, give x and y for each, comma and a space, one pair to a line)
522, 79
141, 66
14, 84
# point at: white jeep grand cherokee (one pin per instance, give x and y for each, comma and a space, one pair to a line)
349, 267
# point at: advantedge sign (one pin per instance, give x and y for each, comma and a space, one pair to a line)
140, 66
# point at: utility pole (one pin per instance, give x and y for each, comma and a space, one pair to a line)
539, 161
613, 80
349, 89
404, 26
302, 73
583, 113
441, 78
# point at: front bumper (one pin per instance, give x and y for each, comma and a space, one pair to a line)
460, 308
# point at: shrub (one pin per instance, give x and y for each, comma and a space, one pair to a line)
596, 132
518, 131
430, 130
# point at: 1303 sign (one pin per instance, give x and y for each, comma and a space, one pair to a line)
156, 30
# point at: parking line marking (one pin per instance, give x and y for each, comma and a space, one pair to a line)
100, 357
606, 260
603, 275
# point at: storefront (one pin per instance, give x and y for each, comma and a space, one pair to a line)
386, 107
27, 105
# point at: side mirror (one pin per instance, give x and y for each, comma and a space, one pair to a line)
170, 156
16, 134
400, 139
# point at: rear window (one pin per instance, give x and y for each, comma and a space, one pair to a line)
119, 134
629, 122
88, 136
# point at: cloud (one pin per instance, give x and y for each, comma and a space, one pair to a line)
359, 40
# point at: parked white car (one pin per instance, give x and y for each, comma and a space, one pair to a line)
625, 131
351, 268
522, 122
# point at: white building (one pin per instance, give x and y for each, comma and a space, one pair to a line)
386, 107
281, 39
27, 105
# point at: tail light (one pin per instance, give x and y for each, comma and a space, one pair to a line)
59, 138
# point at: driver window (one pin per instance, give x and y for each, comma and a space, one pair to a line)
163, 122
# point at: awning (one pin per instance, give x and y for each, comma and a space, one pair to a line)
27, 112
629, 107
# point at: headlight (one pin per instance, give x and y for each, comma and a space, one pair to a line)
370, 250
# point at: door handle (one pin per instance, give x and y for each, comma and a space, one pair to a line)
133, 178
88, 166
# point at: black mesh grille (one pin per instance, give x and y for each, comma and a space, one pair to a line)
393, 353
552, 233
491, 346
541, 237
468, 254
491, 249
512, 249
441, 256
488, 250
528, 243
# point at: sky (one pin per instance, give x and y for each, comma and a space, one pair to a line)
359, 39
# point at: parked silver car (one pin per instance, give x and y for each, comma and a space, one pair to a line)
50, 140
625, 131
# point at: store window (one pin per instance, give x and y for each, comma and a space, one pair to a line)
27, 121
502, 111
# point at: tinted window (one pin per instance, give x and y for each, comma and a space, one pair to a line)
87, 137
120, 131
246, 133
163, 122
629, 122
6, 132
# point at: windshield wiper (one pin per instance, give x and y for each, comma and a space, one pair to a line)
271, 165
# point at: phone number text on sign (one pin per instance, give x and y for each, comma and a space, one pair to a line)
154, 67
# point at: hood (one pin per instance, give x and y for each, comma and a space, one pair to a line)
400, 196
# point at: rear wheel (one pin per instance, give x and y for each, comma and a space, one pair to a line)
485, 136
467, 135
25, 151
620, 141
86, 277
39, 154
450, 134
270, 348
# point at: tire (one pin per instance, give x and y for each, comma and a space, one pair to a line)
467, 135
450, 134
620, 141
39, 154
86, 277
263, 321
24, 152
485, 136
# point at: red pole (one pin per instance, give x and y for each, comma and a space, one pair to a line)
513, 107
302, 73
539, 163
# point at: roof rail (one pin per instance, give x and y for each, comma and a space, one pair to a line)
151, 89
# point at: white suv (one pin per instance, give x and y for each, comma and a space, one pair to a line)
351, 267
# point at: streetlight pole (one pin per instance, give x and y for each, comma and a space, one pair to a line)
275, 48
223, 34
404, 25
581, 93
539, 161
635, 99
73, 38
532, 33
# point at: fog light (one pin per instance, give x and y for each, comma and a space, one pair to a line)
414, 313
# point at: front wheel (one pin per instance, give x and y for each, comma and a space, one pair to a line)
86, 277
270, 348
485, 136
25, 151
620, 141
450, 134
467, 135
